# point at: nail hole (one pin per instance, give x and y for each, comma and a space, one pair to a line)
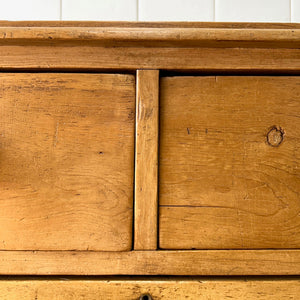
145, 297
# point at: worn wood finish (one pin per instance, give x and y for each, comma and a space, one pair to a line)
152, 34
188, 59
143, 36
39, 58
131, 46
146, 160
229, 162
187, 262
67, 149
75, 135
157, 288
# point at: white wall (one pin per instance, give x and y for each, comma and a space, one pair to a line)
153, 10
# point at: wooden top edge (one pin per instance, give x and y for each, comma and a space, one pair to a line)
154, 36
242, 25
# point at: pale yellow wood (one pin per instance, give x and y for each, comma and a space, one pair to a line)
157, 288
66, 161
188, 262
229, 162
146, 169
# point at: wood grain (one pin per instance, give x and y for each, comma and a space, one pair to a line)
182, 288
222, 184
71, 134
152, 36
67, 150
146, 161
187, 262
39, 58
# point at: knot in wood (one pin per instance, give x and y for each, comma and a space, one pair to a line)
275, 136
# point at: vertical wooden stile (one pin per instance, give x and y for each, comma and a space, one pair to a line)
146, 160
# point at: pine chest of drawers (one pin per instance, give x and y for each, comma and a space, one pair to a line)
150, 149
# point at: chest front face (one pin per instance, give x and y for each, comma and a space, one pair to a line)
150, 149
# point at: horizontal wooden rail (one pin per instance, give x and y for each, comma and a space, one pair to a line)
157, 288
202, 262
175, 59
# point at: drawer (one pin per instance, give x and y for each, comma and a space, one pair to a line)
229, 175
152, 288
66, 161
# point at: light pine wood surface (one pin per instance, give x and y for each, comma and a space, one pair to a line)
186, 263
157, 288
70, 162
177, 46
67, 151
154, 36
229, 162
254, 60
146, 160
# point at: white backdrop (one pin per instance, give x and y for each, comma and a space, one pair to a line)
153, 10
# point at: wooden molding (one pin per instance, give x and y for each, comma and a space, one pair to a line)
154, 36
128, 46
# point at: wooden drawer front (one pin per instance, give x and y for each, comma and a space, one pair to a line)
152, 288
229, 174
66, 161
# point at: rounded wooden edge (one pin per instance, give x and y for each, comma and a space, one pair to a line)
154, 36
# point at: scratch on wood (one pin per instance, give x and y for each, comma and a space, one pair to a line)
240, 227
55, 134
140, 110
